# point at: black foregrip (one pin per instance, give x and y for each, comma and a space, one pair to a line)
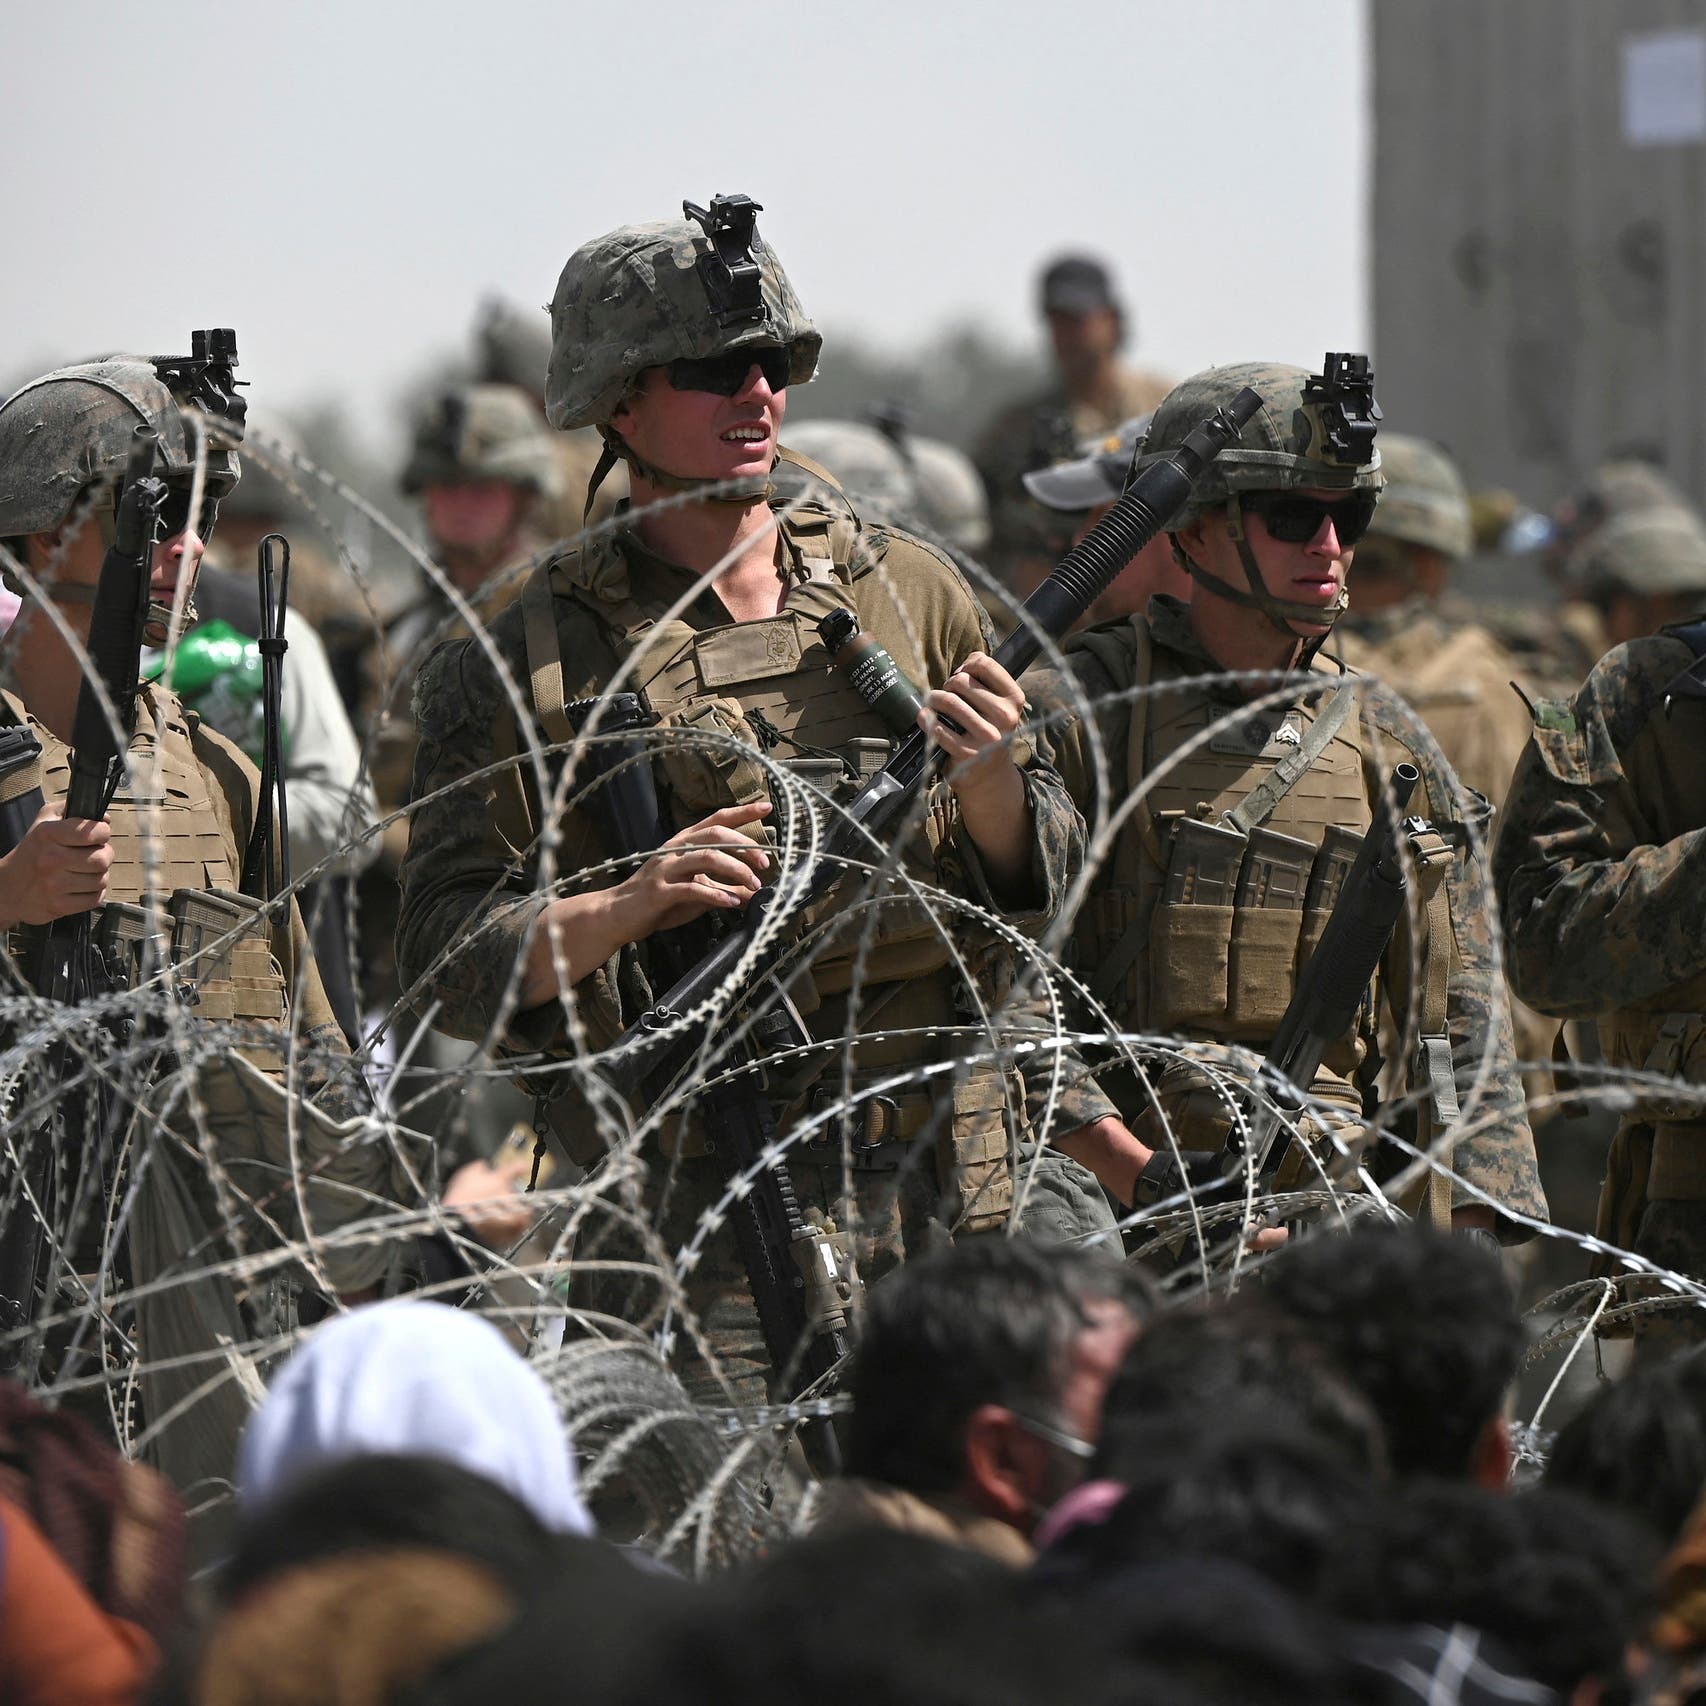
1337, 976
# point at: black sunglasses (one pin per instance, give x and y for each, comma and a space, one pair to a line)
1295, 520
175, 512
726, 374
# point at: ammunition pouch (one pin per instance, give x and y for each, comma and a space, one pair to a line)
709, 771
1238, 916
1661, 1045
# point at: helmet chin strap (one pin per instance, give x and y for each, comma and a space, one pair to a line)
616, 449
1281, 612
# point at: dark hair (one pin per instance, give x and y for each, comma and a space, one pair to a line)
1424, 1324
1560, 1583
1240, 1487
385, 1501
1216, 1627
1640, 1445
1201, 1361
871, 1615
990, 1321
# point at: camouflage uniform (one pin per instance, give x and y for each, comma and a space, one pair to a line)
910, 1164
1164, 953
221, 1154
1599, 870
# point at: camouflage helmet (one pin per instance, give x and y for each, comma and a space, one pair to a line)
1314, 431
680, 289
1424, 501
483, 432
74, 429
1653, 552
869, 468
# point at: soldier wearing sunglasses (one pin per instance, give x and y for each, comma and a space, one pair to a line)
1243, 764
680, 342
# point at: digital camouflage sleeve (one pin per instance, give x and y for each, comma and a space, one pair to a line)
1601, 858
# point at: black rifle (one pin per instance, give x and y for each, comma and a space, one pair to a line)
788, 1259
801, 1271
62, 967
1331, 987
72, 960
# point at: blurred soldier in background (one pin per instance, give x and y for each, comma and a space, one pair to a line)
1452, 673
1199, 919
1642, 570
484, 468
1603, 887
919, 485
513, 347
1094, 391
1085, 489
951, 504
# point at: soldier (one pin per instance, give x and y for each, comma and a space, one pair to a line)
1598, 867
1643, 571
226, 1170
1086, 488
681, 354
513, 347
484, 468
1094, 391
1169, 946
1451, 672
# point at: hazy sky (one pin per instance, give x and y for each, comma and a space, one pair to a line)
343, 180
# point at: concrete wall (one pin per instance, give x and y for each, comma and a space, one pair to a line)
1539, 269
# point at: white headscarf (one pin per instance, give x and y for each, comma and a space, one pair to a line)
416, 1378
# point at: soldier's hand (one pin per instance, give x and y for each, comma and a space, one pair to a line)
490, 1200
58, 869
973, 716
711, 866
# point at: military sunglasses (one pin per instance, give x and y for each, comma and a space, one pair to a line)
175, 511
1295, 520
725, 375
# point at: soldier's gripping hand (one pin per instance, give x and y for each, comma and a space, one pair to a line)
711, 866
59, 868
692, 874
973, 717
